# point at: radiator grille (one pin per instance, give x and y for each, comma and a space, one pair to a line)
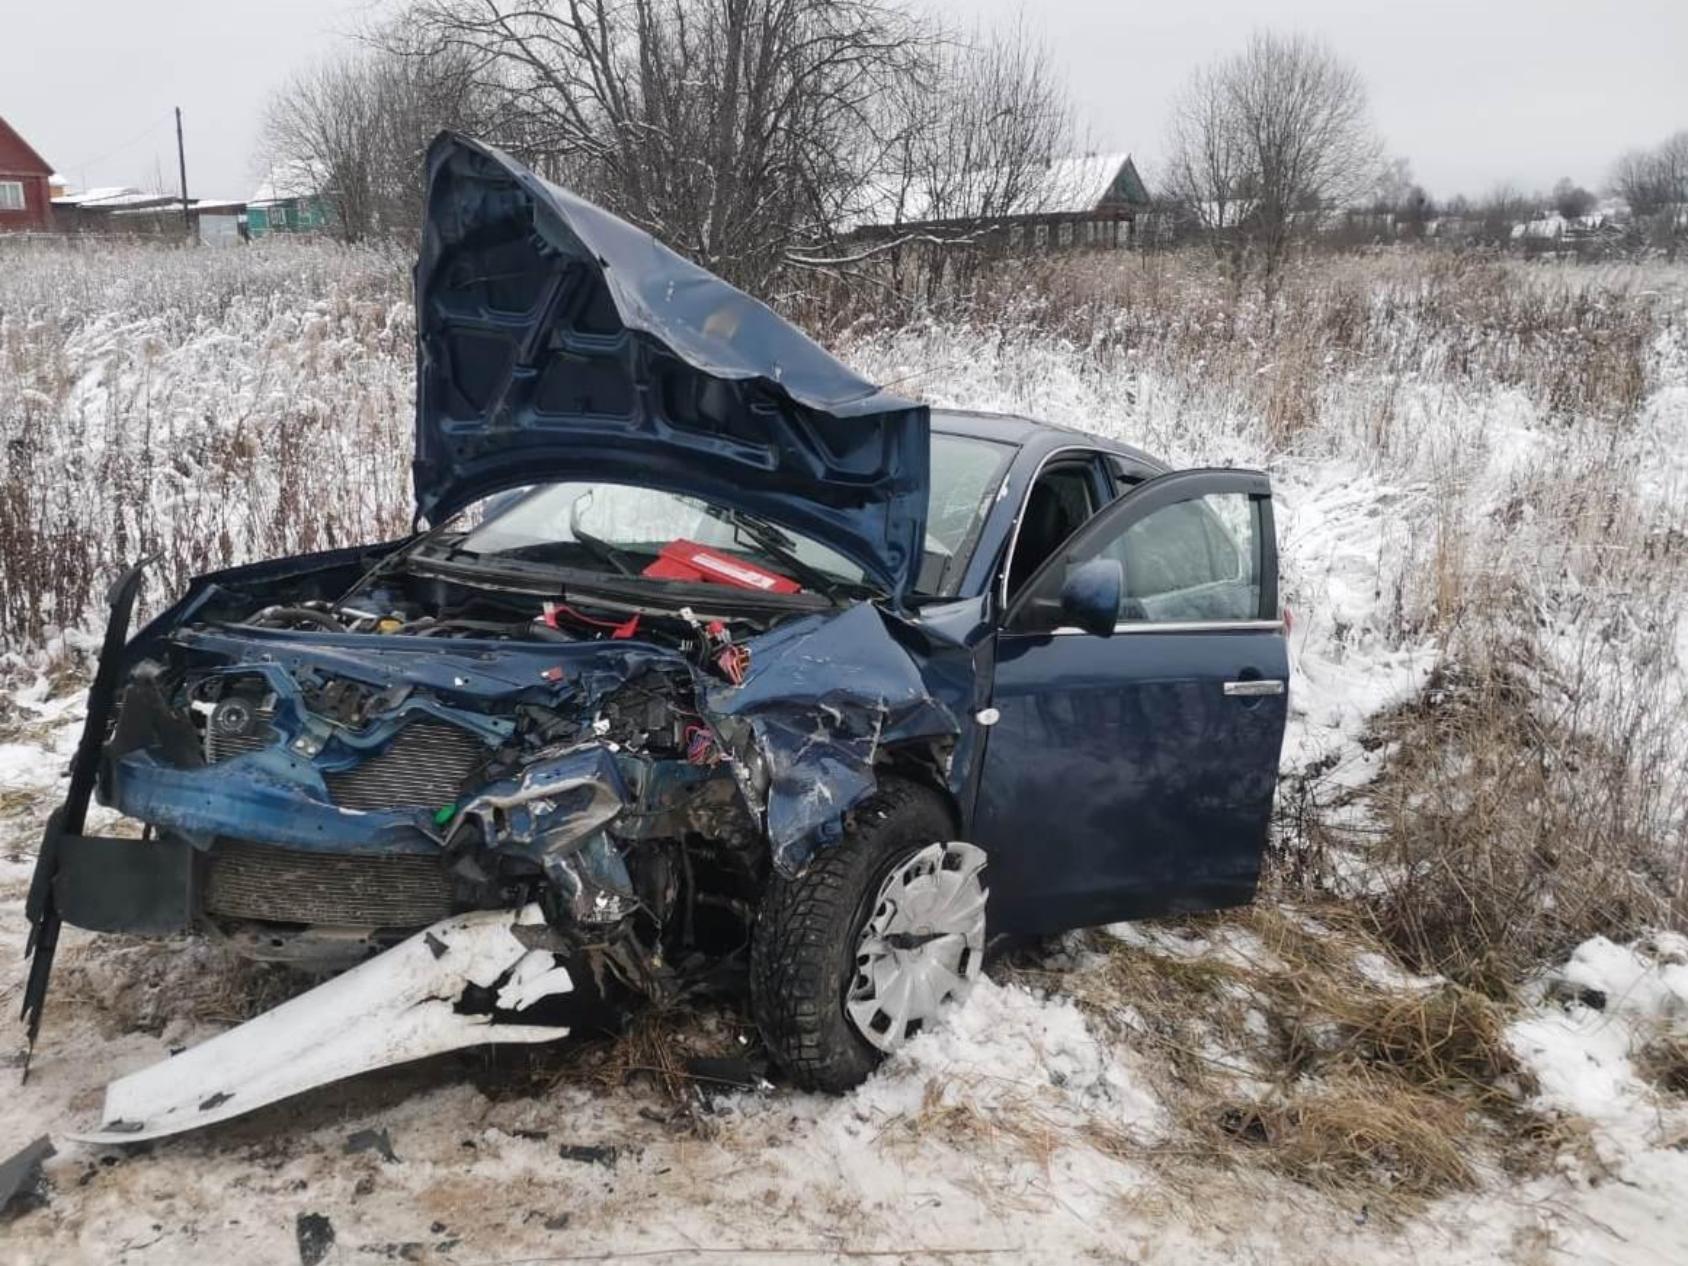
220, 747
256, 881
424, 767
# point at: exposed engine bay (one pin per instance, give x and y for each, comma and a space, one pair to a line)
349, 769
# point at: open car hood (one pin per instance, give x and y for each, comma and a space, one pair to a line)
555, 341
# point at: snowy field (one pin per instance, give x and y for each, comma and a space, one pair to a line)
1480, 469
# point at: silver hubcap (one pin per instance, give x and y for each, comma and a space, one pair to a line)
922, 946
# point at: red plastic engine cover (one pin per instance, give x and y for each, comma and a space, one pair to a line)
689, 561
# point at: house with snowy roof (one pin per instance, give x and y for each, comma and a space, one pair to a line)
289, 199
1089, 200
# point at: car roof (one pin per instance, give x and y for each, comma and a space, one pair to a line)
1033, 435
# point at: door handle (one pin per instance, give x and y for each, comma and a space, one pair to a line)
1253, 687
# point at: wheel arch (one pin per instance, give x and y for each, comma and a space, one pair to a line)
924, 763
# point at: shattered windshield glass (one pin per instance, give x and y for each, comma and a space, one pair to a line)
624, 530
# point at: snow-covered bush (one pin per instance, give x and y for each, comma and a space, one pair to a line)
199, 407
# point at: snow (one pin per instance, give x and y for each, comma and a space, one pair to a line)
104, 193
1579, 1038
1591, 1015
1022, 1131
296, 178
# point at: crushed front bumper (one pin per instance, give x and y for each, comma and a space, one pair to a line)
466, 981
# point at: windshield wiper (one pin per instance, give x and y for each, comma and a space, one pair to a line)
596, 546
779, 547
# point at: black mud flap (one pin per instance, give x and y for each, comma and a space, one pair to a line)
109, 884
42, 905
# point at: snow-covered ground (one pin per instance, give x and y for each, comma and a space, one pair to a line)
1027, 1130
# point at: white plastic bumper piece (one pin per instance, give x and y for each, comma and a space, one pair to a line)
397, 1007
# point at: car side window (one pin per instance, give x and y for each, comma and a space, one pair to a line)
1197, 559
1060, 502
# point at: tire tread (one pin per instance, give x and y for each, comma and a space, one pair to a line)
805, 934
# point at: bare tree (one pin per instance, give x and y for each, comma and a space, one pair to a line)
1393, 185
1499, 213
1635, 180
1269, 141
316, 140
983, 132
1673, 164
1398, 196
1209, 173
353, 129
1654, 181
1571, 200
732, 129
979, 133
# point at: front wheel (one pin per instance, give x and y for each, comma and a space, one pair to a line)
874, 942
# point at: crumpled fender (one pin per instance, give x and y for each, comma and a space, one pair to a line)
403, 1005
823, 696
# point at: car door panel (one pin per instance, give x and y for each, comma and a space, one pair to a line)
1130, 774
1120, 780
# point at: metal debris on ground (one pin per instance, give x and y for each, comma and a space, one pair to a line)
378, 1141
315, 1234
591, 1153
22, 1184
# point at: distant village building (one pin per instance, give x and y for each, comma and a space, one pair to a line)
124, 209
25, 189
1097, 201
288, 200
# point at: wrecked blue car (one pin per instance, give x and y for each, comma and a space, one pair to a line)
717, 667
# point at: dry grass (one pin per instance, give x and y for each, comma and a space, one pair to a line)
144, 985
211, 407
1515, 817
200, 408
1295, 1041
659, 1049
1663, 1061
1355, 1133
1577, 340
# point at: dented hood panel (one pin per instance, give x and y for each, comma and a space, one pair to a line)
556, 341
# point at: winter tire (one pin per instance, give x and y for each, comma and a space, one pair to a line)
871, 944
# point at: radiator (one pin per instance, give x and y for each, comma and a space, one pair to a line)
424, 767
257, 881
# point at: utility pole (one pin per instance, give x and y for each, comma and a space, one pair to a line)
182, 166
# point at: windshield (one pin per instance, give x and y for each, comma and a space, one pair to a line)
629, 531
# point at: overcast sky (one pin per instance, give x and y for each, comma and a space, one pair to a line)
1473, 92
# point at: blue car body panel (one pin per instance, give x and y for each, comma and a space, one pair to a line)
819, 730
558, 342
1121, 780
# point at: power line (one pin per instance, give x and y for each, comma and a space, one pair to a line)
148, 130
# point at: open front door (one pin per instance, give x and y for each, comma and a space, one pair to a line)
1132, 767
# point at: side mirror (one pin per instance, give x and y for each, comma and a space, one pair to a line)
1092, 595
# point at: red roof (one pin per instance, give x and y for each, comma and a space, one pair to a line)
17, 157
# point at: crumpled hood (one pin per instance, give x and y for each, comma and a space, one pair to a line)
556, 342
